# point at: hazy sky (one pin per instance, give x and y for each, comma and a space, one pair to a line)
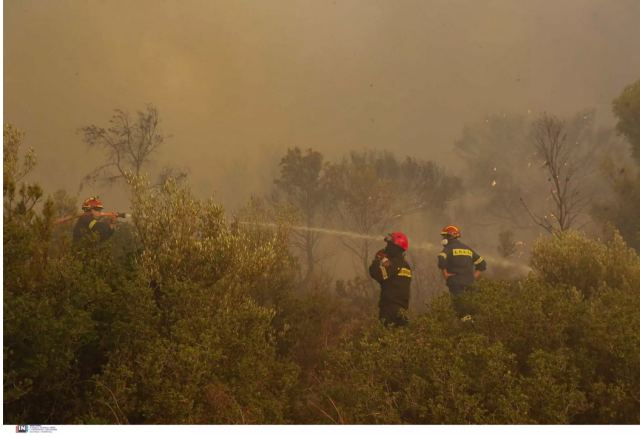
236, 82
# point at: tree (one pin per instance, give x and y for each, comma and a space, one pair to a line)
302, 185
363, 201
372, 191
64, 204
627, 108
561, 161
40, 378
129, 143
503, 168
419, 186
14, 169
498, 169
622, 207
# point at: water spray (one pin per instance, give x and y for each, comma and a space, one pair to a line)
520, 267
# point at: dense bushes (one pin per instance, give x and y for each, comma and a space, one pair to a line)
184, 318
551, 348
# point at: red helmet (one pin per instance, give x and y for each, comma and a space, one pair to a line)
451, 231
399, 239
92, 203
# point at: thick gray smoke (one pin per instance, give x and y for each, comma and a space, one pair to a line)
238, 82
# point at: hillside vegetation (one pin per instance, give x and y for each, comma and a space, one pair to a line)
184, 318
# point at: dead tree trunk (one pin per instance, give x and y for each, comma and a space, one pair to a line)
560, 162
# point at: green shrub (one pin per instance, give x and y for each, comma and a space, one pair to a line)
569, 259
183, 318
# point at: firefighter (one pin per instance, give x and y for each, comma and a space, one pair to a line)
392, 271
460, 266
91, 224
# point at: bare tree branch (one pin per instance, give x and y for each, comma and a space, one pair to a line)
560, 161
128, 144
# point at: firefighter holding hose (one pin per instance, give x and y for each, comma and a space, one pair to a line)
93, 223
392, 271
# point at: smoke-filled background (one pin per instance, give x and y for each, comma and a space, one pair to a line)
316, 127
237, 82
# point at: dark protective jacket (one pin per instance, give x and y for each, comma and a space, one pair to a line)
460, 260
92, 227
394, 276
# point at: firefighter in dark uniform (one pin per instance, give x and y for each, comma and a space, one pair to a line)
90, 225
392, 271
460, 266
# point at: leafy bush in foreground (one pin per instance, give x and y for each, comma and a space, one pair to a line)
183, 318
551, 348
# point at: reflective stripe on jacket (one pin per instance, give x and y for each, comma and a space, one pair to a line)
394, 276
460, 261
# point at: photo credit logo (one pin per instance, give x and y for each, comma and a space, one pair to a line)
31, 429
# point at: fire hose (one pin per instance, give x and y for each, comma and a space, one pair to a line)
113, 215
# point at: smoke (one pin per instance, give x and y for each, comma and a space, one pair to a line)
334, 232
239, 82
